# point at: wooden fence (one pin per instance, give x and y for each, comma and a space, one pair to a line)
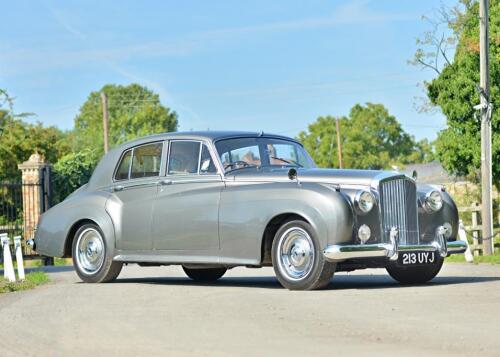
475, 227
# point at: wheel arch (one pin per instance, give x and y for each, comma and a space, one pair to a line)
70, 236
270, 231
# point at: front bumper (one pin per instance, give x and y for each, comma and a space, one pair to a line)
340, 252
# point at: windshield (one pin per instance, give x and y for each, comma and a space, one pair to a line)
239, 153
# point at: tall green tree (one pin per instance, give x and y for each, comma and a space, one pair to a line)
371, 139
454, 92
19, 140
134, 111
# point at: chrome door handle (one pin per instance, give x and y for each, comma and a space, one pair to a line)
118, 188
165, 182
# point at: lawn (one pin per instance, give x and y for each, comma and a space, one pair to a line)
32, 279
459, 258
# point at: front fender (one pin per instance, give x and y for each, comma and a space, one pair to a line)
429, 222
247, 208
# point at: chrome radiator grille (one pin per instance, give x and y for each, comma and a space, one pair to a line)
398, 208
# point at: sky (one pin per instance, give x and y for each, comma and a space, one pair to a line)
271, 65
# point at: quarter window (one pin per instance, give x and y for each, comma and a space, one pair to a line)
146, 161
124, 166
207, 165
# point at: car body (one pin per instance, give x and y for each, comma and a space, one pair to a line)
210, 201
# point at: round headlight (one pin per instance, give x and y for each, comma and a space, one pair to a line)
364, 201
433, 201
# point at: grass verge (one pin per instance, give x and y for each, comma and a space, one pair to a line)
459, 258
32, 279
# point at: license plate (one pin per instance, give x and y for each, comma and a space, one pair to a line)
416, 258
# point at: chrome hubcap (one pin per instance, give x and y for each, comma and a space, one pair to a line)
90, 251
296, 253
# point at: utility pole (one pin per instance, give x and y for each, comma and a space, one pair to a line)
105, 120
485, 107
339, 143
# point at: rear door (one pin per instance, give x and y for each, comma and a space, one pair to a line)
135, 185
186, 209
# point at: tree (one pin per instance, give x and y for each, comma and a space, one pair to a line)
454, 92
20, 140
371, 139
134, 111
72, 171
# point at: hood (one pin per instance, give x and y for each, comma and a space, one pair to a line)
331, 176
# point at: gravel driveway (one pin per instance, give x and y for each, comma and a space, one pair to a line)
158, 311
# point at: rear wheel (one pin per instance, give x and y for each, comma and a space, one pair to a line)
91, 258
205, 274
298, 260
415, 275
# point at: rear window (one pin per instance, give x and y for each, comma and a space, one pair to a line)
146, 161
142, 161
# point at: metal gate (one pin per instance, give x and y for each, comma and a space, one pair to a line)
21, 205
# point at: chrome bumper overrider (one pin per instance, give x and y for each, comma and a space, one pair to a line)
339, 252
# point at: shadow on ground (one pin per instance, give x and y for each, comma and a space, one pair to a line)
340, 282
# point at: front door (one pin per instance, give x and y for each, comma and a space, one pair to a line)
186, 209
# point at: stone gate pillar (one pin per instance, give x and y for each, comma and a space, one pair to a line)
32, 192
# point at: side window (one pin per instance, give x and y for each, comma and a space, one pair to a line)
184, 157
207, 165
146, 161
123, 167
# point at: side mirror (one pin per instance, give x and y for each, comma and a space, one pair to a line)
292, 174
414, 175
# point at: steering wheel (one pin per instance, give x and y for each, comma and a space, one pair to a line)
237, 162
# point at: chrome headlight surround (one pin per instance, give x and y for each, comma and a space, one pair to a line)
364, 201
433, 201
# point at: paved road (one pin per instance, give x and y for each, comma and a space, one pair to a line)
157, 311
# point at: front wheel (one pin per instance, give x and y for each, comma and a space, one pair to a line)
298, 259
417, 274
205, 274
91, 258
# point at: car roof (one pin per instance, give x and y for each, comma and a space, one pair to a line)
104, 170
201, 135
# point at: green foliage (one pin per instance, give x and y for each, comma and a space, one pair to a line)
371, 139
32, 280
19, 140
454, 91
72, 171
134, 111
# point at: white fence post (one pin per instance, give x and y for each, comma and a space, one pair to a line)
463, 237
8, 267
19, 257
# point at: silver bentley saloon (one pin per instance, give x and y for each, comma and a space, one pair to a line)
211, 201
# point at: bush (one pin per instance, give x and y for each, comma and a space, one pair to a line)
72, 171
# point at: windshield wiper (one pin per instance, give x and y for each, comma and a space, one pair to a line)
290, 162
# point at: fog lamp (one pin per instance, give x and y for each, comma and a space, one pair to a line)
364, 233
447, 230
